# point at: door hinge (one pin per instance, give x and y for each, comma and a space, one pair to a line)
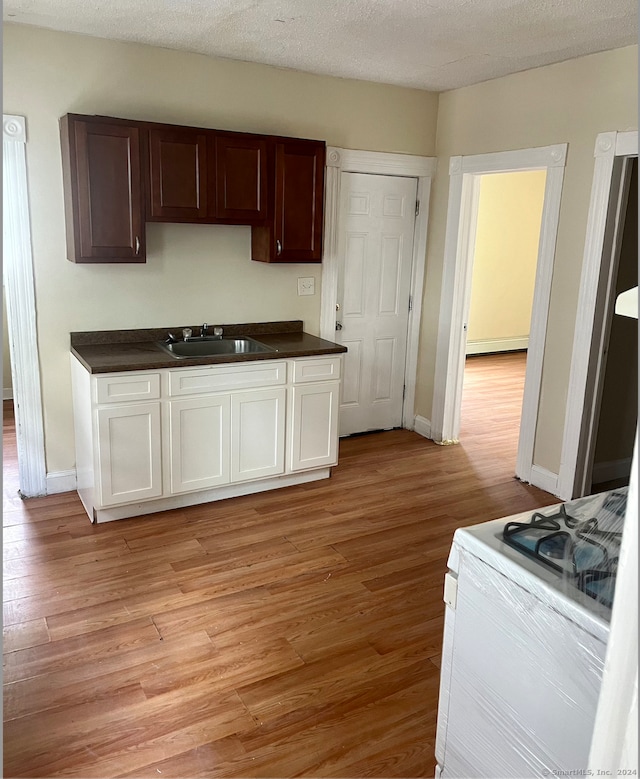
417, 207
410, 303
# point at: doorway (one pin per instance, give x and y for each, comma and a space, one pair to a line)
375, 235
464, 194
341, 162
618, 402
615, 155
503, 273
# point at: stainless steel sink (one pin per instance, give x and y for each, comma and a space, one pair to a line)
209, 347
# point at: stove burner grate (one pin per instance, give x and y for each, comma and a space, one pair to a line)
578, 549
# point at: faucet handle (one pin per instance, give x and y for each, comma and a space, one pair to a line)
217, 331
186, 333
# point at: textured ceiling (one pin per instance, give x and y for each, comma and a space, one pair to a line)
428, 44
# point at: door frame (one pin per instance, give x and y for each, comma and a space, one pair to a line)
464, 194
21, 310
612, 152
341, 161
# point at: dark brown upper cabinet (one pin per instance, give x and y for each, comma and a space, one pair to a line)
119, 173
241, 178
102, 176
294, 232
179, 173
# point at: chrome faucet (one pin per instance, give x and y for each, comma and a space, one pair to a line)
203, 330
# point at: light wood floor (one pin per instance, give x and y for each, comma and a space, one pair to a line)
291, 633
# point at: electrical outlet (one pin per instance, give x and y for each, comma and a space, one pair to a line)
307, 286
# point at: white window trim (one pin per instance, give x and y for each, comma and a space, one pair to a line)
456, 288
386, 164
21, 309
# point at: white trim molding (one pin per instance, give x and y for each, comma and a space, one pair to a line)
61, 481
464, 194
544, 479
21, 309
611, 470
611, 151
493, 345
341, 161
422, 426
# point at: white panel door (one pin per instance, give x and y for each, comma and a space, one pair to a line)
200, 448
257, 434
314, 425
376, 224
129, 453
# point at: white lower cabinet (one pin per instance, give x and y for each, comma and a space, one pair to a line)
199, 443
257, 438
129, 453
151, 440
314, 425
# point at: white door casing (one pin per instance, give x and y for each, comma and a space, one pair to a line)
341, 161
587, 365
21, 310
464, 194
376, 217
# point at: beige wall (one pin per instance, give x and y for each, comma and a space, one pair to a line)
194, 273
506, 255
566, 103
203, 272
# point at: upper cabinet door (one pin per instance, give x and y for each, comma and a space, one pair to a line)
103, 191
178, 173
299, 200
241, 178
295, 232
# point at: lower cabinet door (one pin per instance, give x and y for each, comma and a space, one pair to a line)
257, 424
129, 453
314, 425
200, 440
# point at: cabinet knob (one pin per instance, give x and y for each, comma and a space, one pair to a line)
278, 248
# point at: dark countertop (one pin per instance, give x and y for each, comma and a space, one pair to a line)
111, 351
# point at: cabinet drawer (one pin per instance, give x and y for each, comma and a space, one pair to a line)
192, 381
127, 387
315, 369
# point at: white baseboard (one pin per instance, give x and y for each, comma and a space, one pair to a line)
422, 426
204, 496
7, 393
544, 479
497, 345
61, 481
613, 469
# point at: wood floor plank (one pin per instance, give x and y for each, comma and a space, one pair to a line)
144, 667
24, 634
296, 632
96, 647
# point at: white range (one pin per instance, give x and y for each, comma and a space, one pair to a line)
524, 645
